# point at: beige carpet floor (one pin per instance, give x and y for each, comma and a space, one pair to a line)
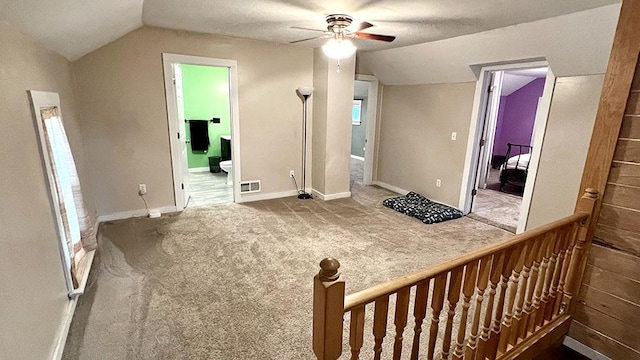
497, 208
234, 281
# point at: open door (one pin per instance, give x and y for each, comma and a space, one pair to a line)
182, 133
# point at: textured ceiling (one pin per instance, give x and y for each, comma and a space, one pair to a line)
76, 27
73, 27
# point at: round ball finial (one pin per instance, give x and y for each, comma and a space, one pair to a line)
329, 269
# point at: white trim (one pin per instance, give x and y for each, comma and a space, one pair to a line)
85, 274
372, 118
199, 169
168, 60
39, 100
135, 213
583, 349
391, 187
539, 130
357, 157
249, 197
328, 197
63, 330
475, 129
402, 191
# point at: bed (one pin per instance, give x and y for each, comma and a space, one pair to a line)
515, 169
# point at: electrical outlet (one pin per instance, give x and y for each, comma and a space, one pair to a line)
142, 189
438, 183
292, 173
454, 136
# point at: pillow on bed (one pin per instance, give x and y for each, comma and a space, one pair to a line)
521, 161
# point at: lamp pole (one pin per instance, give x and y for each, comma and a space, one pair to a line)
306, 93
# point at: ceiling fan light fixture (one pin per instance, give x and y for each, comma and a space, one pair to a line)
339, 49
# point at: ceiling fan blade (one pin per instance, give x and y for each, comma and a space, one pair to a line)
307, 39
366, 36
304, 28
359, 27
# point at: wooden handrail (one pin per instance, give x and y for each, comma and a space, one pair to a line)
526, 284
369, 295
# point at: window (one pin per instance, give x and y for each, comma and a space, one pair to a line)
356, 112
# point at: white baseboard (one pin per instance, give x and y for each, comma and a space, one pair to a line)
403, 191
135, 213
199, 169
391, 187
361, 158
63, 331
583, 349
327, 197
266, 196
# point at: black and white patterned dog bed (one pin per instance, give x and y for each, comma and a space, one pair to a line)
421, 208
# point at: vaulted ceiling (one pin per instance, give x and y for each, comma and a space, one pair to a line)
74, 28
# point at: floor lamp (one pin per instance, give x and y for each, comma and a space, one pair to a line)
305, 92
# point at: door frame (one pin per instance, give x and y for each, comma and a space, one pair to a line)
168, 60
372, 117
475, 129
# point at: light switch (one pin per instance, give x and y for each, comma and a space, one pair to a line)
454, 135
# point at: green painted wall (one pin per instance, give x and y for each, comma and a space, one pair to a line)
206, 95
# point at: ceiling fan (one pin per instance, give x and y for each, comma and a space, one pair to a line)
339, 31
338, 26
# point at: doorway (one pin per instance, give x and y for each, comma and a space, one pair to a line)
363, 129
510, 114
202, 108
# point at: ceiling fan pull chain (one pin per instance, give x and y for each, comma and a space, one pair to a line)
338, 66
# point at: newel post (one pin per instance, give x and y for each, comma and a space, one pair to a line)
578, 257
328, 310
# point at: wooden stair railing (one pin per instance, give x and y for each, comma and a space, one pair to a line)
505, 301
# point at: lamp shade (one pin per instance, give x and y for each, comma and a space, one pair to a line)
305, 90
339, 49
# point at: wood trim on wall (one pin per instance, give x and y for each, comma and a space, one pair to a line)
608, 309
613, 101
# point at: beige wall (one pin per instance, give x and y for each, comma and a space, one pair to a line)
121, 88
414, 139
33, 293
573, 111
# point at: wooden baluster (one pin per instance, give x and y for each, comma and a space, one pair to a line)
470, 275
510, 323
380, 324
436, 307
483, 279
557, 269
496, 271
402, 308
356, 332
546, 284
453, 296
328, 310
541, 275
419, 313
565, 255
530, 274
578, 260
512, 254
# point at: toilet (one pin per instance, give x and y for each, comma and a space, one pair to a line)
227, 167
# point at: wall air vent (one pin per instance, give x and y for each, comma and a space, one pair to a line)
251, 186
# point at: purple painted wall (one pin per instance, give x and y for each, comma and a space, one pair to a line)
516, 116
